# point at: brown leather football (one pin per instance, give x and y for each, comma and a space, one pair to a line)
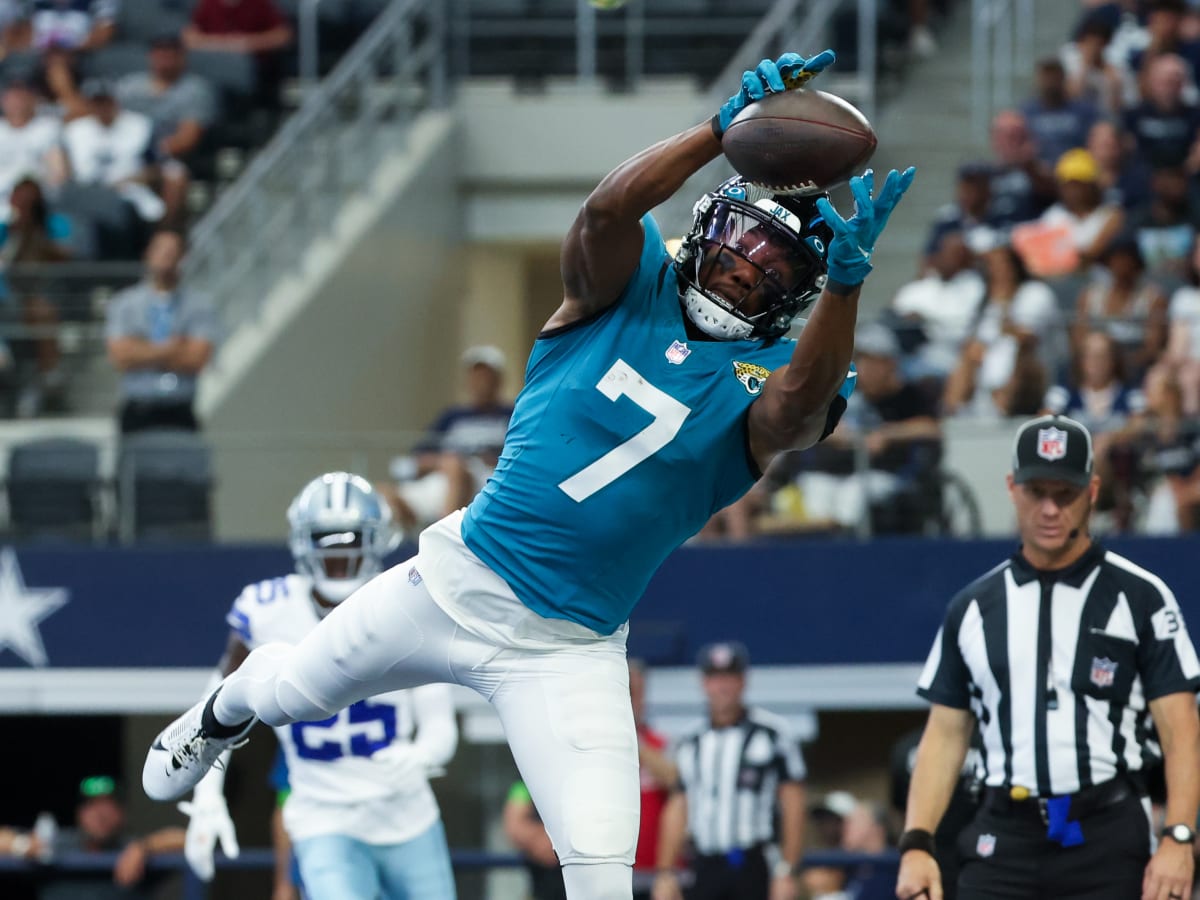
799, 141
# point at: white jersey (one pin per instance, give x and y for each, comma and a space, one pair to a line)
25, 151
362, 772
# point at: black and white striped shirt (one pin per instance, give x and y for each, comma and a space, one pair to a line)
1059, 668
732, 776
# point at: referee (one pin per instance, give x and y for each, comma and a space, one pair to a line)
739, 775
1058, 653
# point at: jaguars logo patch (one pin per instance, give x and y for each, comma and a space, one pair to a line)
751, 376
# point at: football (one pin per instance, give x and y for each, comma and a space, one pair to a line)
799, 141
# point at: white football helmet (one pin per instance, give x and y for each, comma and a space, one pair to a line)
340, 531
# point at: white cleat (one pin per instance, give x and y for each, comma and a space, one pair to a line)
183, 752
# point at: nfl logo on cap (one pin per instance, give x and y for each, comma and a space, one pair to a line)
1051, 443
1054, 448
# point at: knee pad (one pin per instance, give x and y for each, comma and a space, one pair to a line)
599, 800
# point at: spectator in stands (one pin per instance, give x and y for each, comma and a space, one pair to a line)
896, 424
1002, 368
1090, 76
1071, 234
826, 826
1172, 456
1166, 226
1057, 122
865, 831
1123, 177
1022, 185
32, 239
1163, 126
61, 31
180, 105
250, 27
113, 147
970, 214
1105, 399
1110, 406
1181, 361
1164, 34
99, 828
658, 776
160, 337
29, 143
941, 307
1124, 303
459, 451
524, 829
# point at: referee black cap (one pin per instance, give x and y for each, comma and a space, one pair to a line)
727, 656
1054, 448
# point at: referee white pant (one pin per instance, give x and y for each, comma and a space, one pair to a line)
566, 711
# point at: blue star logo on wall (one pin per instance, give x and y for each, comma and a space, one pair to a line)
22, 608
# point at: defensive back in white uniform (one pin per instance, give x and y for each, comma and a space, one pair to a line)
361, 815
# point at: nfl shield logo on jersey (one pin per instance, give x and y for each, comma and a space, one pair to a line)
1104, 671
677, 353
1052, 443
986, 845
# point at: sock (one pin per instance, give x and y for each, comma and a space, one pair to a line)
212, 727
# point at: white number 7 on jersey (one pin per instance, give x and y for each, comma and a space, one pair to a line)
669, 414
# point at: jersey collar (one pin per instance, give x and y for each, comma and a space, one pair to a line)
1073, 575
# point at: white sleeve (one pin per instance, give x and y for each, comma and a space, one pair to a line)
437, 728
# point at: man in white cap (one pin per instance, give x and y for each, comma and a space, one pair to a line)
458, 452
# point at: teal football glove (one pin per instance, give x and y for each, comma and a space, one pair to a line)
849, 258
789, 71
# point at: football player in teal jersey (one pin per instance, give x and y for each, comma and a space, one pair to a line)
655, 396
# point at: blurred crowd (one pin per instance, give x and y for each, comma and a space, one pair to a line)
1063, 276
119, 118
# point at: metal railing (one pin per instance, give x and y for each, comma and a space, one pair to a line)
259, 227
1001, 52
263, 859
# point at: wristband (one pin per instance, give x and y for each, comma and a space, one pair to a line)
20, 844
916, 839
783, 869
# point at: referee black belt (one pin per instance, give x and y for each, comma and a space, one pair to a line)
1017, 801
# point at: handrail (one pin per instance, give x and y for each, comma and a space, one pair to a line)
333, 140
1001, 51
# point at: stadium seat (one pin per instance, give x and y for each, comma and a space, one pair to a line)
164, 482
229, 73
53, 489
114, 61
143, 21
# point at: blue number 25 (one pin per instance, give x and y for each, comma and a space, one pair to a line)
311, 746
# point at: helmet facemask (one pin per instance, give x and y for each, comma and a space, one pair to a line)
752, 262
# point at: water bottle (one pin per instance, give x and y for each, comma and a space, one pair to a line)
45, 829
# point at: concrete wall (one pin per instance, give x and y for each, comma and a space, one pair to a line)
365, 344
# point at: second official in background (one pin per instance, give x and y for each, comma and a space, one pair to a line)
1061, 654
740, 796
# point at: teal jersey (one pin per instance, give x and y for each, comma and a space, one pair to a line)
626, 439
